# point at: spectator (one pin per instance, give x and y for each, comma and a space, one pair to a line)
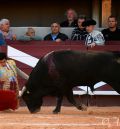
29, 35
2, 40
8, 74
71, 19
94, 37
6, 31
55, 34
79, 33
112, 32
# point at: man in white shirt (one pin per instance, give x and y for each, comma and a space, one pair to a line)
94, 37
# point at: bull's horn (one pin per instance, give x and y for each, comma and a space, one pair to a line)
22, 91
118, 60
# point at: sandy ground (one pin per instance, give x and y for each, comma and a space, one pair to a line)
69, 118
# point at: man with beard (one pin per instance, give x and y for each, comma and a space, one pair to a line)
71, 19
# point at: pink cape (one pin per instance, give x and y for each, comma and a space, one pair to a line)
8, 100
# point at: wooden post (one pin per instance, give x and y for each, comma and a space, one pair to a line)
106, 11
96, 11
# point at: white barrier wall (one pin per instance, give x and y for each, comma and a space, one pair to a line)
43, 31
40, 31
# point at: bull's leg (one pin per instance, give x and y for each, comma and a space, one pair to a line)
58, 106
70, 98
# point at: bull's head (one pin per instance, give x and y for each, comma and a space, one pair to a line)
31, 99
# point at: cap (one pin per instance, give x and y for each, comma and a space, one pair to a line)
89, 22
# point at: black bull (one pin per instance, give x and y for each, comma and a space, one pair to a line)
58, 72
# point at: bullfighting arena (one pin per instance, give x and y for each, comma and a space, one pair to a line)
69, 118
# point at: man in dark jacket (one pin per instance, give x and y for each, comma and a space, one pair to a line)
55, 34
79, 33
112, 32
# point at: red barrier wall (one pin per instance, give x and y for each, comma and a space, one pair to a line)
40, 48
